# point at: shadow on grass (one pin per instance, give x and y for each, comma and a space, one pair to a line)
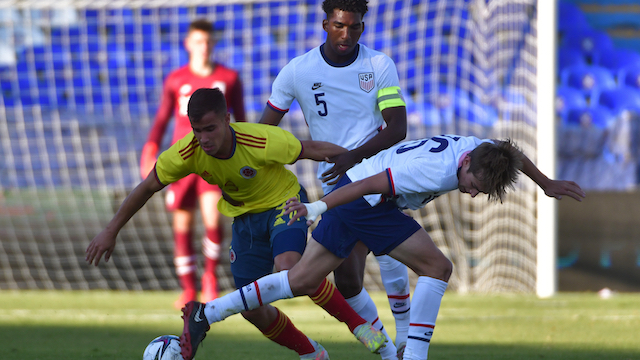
56, 342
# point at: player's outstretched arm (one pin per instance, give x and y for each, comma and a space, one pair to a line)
396, 131
320, 150
552, 188
270, 116
105, 241
376, 184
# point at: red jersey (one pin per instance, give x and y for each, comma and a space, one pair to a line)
177, 90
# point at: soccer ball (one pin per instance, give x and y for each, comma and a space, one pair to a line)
165, 347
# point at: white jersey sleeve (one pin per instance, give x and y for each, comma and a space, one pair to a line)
385, 70
283, 89
419, 170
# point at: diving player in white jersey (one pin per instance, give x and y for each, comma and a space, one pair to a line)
407, 175
348, 93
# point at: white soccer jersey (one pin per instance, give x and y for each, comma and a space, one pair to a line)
419, 170
339, 101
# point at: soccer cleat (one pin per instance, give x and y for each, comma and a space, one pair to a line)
371, 337
319, 354
209, 287
195, 329
185, 297
401, 347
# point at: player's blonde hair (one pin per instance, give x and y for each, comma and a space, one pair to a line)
496, 166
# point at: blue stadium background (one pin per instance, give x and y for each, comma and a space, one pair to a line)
99, 72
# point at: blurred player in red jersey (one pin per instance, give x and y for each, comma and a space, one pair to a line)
182, 196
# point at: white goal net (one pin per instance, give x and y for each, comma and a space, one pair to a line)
81, 81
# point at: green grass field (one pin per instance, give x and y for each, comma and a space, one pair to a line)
118, 325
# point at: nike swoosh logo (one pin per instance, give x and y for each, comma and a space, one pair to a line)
397, 305
197, 317
315, 87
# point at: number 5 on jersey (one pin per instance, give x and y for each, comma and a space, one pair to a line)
321, 102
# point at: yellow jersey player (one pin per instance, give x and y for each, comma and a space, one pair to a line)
247, 162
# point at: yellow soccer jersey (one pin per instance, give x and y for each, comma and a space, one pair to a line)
254, 174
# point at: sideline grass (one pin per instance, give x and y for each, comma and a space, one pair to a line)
118, 325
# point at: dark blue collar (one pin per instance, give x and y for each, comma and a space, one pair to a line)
346, 63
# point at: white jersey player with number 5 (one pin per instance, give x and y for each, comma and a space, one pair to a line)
350, 96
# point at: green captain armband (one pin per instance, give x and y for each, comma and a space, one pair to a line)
390, 97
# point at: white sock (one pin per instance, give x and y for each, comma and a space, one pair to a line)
395, 279
365, 307
263, 291
426, 304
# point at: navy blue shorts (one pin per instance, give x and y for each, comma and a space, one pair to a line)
381, 228
258, 238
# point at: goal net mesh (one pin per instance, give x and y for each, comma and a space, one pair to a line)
81, 81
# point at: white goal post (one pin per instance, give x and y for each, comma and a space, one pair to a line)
546, 274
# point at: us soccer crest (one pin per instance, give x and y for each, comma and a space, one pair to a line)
366, 81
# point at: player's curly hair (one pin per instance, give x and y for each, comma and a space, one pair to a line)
496, 166
204, 101
354, 6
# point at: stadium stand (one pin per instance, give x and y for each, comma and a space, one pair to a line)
607, 74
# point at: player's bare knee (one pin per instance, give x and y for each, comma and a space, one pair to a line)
439, 267
447, 269
303, 285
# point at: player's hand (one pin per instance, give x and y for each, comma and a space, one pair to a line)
559, 188
341, 163
148, 159
103, 243
297, 208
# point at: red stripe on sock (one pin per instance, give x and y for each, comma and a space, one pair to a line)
255, 283
375, 321
423, 325
401, 297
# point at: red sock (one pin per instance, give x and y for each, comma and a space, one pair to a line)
332, 301
185, 260
283, 332
211, 249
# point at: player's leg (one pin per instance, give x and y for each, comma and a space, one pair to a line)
304, 278
277, 327
209, 196
265, 290
181, 201
420, 254
288, 243
349, 276
395, 279
252, 258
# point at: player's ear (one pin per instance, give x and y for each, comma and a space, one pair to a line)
325, 24
363, 26
227, 118
466, 160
